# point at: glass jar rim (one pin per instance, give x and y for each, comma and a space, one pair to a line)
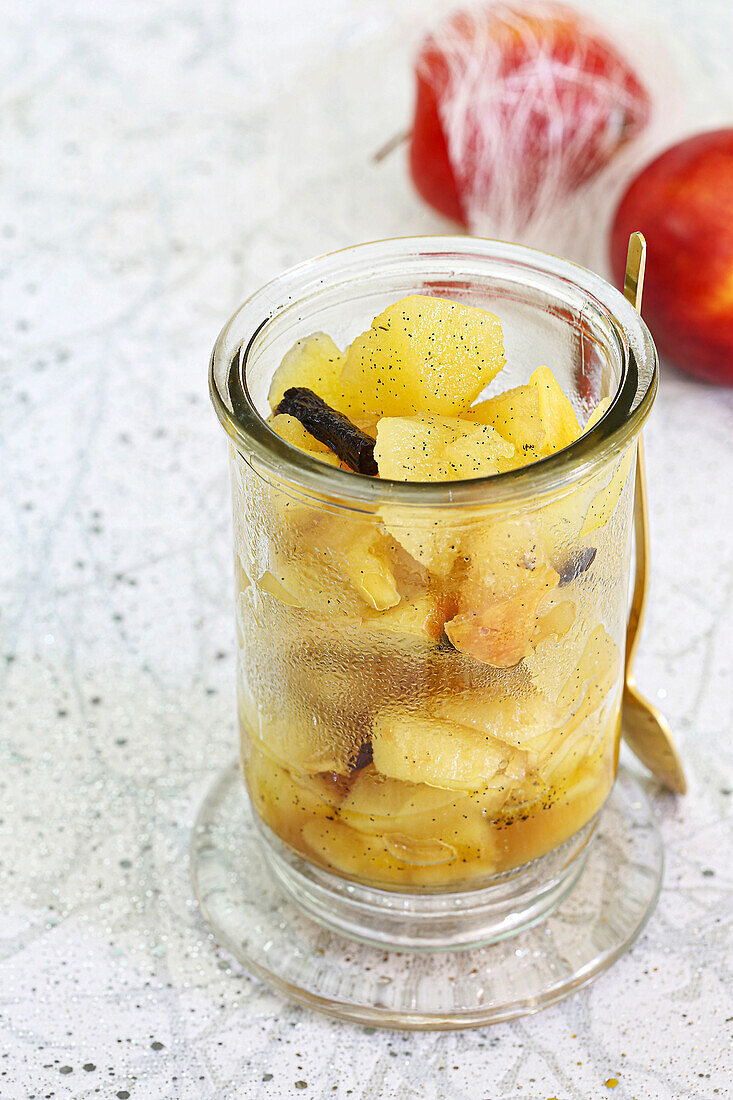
256, 441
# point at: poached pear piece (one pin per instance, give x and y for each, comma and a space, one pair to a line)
439, 448
418, 748
537, 418
314, 363
426, 355
292, 431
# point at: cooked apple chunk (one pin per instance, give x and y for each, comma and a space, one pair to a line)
424, 354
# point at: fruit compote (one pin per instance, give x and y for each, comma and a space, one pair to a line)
426, 702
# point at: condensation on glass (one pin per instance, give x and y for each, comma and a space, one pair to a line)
375, 752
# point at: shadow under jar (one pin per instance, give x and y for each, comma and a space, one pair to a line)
414, 792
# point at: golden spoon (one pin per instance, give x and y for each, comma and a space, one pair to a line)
645, 729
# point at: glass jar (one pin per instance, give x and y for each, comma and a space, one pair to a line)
430, 674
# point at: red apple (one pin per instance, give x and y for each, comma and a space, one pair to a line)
516, 107
683, 204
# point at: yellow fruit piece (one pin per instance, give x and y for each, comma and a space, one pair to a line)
478, 453
274, 587
399, 859
421, 616
419, 824
536, 418
499, 630
418, 851
377, 803
430, 538
377, 590
299, 581
412, 578
420, 749
359, 553
293, 740
411, 448
559, 421
569, 752
424, 353
515, 414
559, 751
340, 567
501, 553
315, 363
599, 663
604, 503
275, 792
587, 508
293, 432
507, 579
555, 622
347, 850
438, 448
598, 413
513, 720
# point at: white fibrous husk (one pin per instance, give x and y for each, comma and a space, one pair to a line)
541, 154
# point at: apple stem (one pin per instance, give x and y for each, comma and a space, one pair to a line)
389, 146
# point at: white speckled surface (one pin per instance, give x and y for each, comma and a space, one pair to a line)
159, 162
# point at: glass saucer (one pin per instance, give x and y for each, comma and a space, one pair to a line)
263, 929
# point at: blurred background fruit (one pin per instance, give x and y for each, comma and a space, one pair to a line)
515, 108
683, 204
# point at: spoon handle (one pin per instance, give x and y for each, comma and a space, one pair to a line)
645, 729
633, 289
641, 551
635, 268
